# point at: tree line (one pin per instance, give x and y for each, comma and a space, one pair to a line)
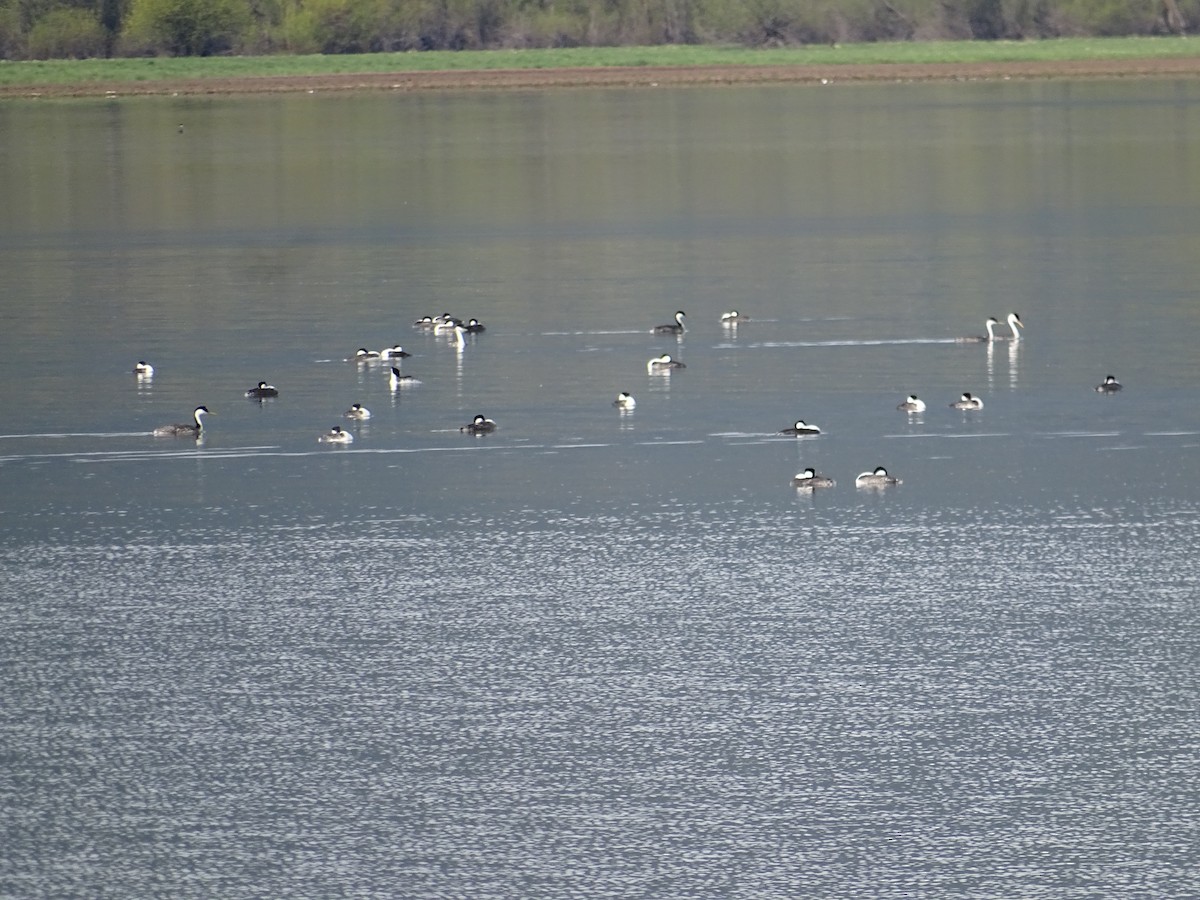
45, 29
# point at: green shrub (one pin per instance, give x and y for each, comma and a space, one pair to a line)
186, 27
67, 34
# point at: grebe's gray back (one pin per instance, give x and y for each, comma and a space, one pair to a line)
479, 425
878, 478
675, 327
184, 429
801, 427
809, 480
990, 324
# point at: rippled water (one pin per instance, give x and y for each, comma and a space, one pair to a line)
597, 654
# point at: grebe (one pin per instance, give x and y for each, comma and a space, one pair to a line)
336, 435
809, 480
675, 327
733, 317
1014, 321
362, 355
479, 425
912, 405
801, 427
624, 401
358, 411
398, 380
394, 352
878, 478
424, 322
474, 326
143, 369
262, 391
184, 430
990, 325
1110, 385
445, 322
966, 401
664, 363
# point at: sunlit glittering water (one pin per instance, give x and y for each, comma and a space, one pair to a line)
597, 654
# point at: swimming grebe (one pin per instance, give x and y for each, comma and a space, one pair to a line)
664, 363
394, 352
474, 326
1109, 386
990, 325
878, 478
336, 435
801, 427
1014, 321
143, 369
479, 425
624, 401
358, 411
424, 322
912, 405
733, 317
967, 402
262, 391
184, 430
398, 380
363, 355
809, 480
675, 327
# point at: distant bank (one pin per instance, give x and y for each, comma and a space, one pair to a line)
616, 67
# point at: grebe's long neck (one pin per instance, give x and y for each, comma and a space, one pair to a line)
1012, 326
990, 324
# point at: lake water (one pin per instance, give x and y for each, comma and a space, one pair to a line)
602, 654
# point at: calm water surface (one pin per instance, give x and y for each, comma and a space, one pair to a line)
597, 654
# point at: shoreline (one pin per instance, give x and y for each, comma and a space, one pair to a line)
640, 76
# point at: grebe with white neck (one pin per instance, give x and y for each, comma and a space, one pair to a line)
676, 327
967, 401
733, 317
1110, 385
990, 324
625, 402
399, 380
809, 480
359, 412
143, 369
911, 404
336, 435
664, 363
185, 429
363, 355
479, 425
1014, 322
801, 428
394, 352
877, 478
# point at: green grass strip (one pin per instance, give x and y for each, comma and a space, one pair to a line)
89, 71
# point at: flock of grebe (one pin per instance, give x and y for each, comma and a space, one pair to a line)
806, 480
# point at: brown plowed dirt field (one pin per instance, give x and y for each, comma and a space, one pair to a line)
532, 79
